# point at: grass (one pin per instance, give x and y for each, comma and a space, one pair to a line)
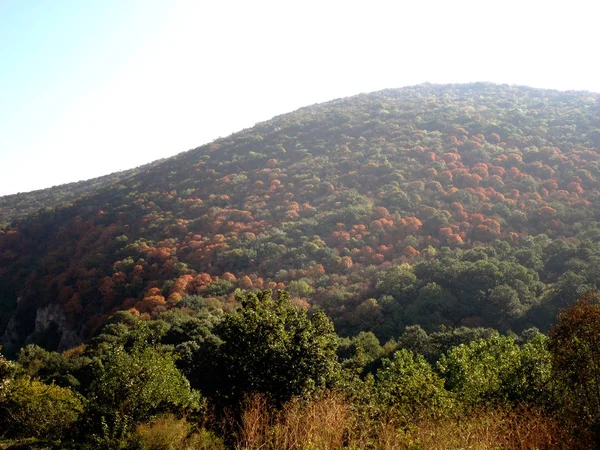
171, 433
330, 422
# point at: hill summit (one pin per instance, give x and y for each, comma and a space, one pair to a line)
451, 205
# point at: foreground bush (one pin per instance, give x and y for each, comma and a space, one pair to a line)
131, 387
30, 408
268, 346
407, 387
497, 370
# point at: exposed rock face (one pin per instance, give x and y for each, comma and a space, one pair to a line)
11, 337
50, 321
53, 316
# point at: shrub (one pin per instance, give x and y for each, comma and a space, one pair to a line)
270, 347
407, 386
477, 372
131, 387
30, 408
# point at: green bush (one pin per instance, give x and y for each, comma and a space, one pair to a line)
269, 346
130, 387
407, 386
30, 408
575, 348
496, 369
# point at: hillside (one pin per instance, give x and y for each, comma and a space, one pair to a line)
18, 206
473, 205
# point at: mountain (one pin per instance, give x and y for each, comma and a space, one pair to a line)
438, 205
17, 206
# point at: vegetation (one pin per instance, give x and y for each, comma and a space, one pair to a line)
267, 375
576, 362
462, 205
17, 206
375, 272
130, 387
29, 408
268, 346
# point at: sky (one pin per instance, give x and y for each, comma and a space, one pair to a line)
91, 87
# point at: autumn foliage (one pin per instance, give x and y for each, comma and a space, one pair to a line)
326, 199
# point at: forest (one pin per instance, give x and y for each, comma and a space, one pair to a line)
429, 250
269, 375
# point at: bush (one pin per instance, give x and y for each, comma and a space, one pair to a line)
130, 387
496, 369
270, 347
33, 409
407, 387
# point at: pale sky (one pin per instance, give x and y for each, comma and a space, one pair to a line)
90, 87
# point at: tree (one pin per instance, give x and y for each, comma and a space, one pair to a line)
52, 367
574, 345
396, 281
271, 347
496, 370
408, 386
7, 370
432, 307
30, 408
416, 340
505, 303
359, 352
300, 288
130, 387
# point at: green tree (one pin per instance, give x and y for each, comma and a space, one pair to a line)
53, 367
130, 387
272, 347
415, 339
496, 369
407, 385
504, 304
531, 382
30, 408
300, 288
360, 351
7, 370
432, 307
397, 281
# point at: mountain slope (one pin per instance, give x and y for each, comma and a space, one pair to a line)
18, 206
441, 205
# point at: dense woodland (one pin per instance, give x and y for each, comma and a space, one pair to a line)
18, 206
401, 224
272, 376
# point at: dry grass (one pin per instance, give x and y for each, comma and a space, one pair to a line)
320, 424
329, 423
496, 429
170, 433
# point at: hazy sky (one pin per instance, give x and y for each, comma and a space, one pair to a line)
89, 87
